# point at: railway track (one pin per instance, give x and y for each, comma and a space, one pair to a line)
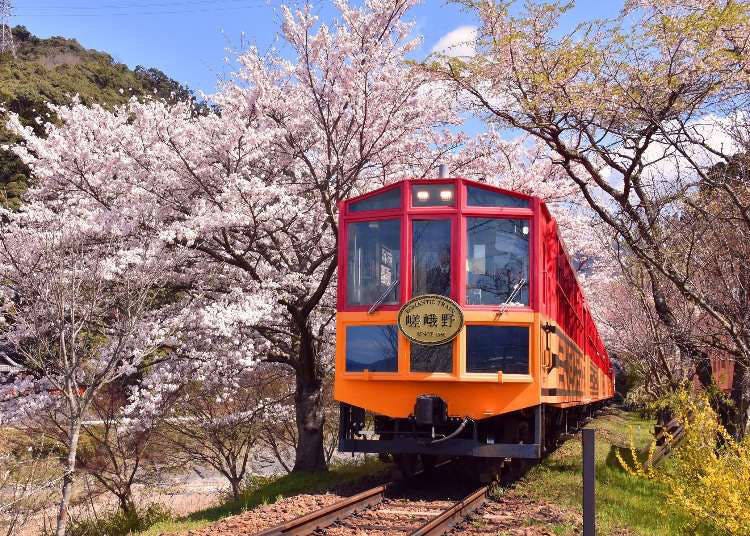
373, 512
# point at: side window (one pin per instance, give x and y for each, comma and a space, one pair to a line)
387, 200
373, 262
373, 348
497, 348
431, 257
497, 259
479, 197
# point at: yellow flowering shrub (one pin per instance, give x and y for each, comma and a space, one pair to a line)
635, 467
708, 474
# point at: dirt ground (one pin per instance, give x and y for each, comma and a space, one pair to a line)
266, 516
516, 516
508, 515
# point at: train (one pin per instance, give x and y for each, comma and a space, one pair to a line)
462, 330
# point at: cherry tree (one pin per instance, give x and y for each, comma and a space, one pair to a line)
79, 319
250, 195
28, 478
240, 204
218, 422
634, 109
120, 453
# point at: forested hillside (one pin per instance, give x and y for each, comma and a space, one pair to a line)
54, 70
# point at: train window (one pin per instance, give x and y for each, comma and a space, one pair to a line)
497, 261
373, 262
433, 195
480, 197
432, 358
497, 348
373, 348
431, 257
386, 200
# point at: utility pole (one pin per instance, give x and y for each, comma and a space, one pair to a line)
6, 34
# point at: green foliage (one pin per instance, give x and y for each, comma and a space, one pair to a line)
53, 71
117, 523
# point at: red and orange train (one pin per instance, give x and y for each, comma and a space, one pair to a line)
461, 328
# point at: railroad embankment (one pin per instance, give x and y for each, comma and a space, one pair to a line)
546, 501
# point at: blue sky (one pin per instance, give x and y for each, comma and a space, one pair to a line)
188, 39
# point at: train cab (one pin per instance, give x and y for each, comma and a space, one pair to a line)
459, 321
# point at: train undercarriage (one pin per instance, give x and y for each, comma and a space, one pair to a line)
483, 445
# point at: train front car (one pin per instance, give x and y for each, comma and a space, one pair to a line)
461, 328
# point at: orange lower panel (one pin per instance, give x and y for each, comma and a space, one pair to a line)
464, 399
470, 395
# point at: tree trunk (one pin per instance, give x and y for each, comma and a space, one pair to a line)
67, 488
126, 502
308, 400
738, 425
683, 342
236, 488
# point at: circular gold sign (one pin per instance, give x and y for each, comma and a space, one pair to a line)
430, 319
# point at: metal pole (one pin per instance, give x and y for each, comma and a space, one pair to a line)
589, 482
443, 171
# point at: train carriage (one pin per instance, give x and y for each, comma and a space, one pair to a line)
461, 327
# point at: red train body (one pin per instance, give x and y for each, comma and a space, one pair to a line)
485, 270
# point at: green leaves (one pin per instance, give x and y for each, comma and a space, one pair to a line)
53, 71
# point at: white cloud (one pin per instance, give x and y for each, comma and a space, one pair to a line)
458, 42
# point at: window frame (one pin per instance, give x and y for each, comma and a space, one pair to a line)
494, 190
456, 184
454, 363
435, 209
458, 215
403, 362
519, 376
343, 265
532, 283
349, 213
454, 243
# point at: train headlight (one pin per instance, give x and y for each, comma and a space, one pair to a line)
446, 195
423, 195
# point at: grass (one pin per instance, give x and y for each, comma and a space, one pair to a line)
340, 475
625, 504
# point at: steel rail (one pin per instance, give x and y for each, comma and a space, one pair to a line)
327, 516
445, 521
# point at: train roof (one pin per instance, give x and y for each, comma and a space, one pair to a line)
487, 186
445, 180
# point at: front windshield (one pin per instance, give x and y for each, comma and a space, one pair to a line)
497, 261
431, 257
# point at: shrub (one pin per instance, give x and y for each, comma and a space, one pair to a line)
117, 523
708, 474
